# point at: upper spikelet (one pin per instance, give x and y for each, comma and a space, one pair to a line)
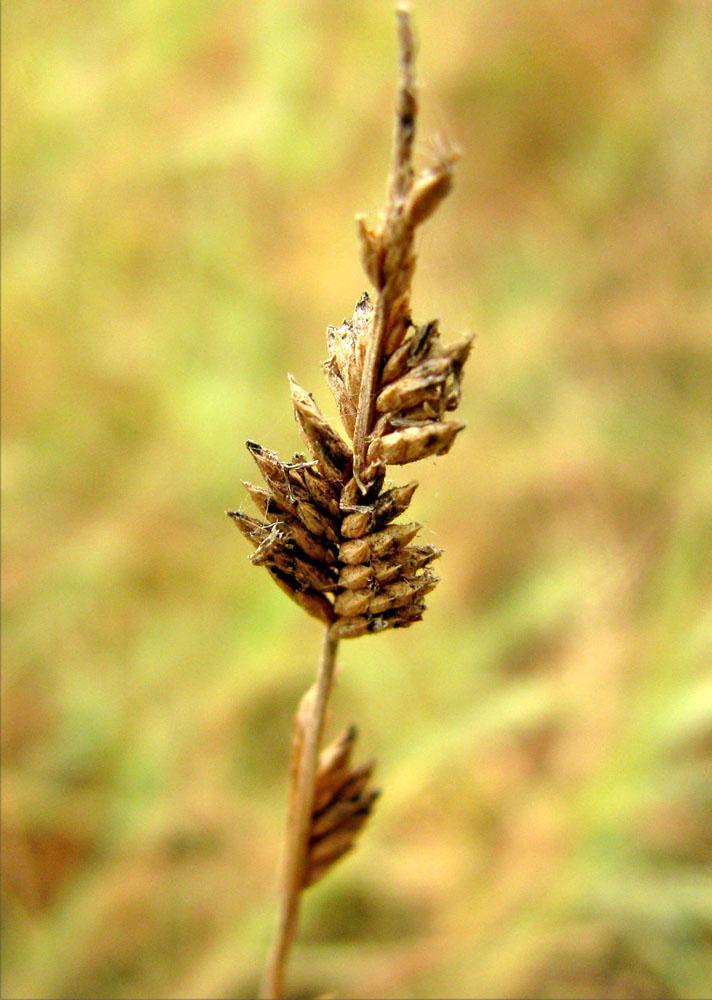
333, 548
327, 534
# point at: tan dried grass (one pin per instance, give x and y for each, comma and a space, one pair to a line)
327, 533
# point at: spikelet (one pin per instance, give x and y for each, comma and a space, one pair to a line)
343, 802
327, 532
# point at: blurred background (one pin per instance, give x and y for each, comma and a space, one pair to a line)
180, 183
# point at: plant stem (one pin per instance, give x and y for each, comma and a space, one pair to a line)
306, 747
396, 238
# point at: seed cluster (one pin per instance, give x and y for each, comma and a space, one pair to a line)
327, 531
343, 802
328, 539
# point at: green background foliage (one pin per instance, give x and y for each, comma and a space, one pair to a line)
180, 180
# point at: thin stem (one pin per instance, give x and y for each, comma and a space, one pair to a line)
395, 240
406, 109
299, 820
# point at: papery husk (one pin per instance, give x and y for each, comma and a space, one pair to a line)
343, 802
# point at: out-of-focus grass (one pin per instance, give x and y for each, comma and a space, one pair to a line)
179, 184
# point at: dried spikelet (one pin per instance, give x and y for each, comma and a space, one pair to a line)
389, 505
342, 799
287, 571
413, 443
371, 253
313, 603
356, 493
342, 804
351, 628
347, 351
377, 545
431, 186
330, 451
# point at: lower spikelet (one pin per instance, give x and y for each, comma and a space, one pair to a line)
343, 801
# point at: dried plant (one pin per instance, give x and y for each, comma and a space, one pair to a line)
327, 531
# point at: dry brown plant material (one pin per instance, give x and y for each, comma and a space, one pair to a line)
327, 531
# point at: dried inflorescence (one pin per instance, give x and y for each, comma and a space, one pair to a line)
328, 532
327, 536
343, 800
